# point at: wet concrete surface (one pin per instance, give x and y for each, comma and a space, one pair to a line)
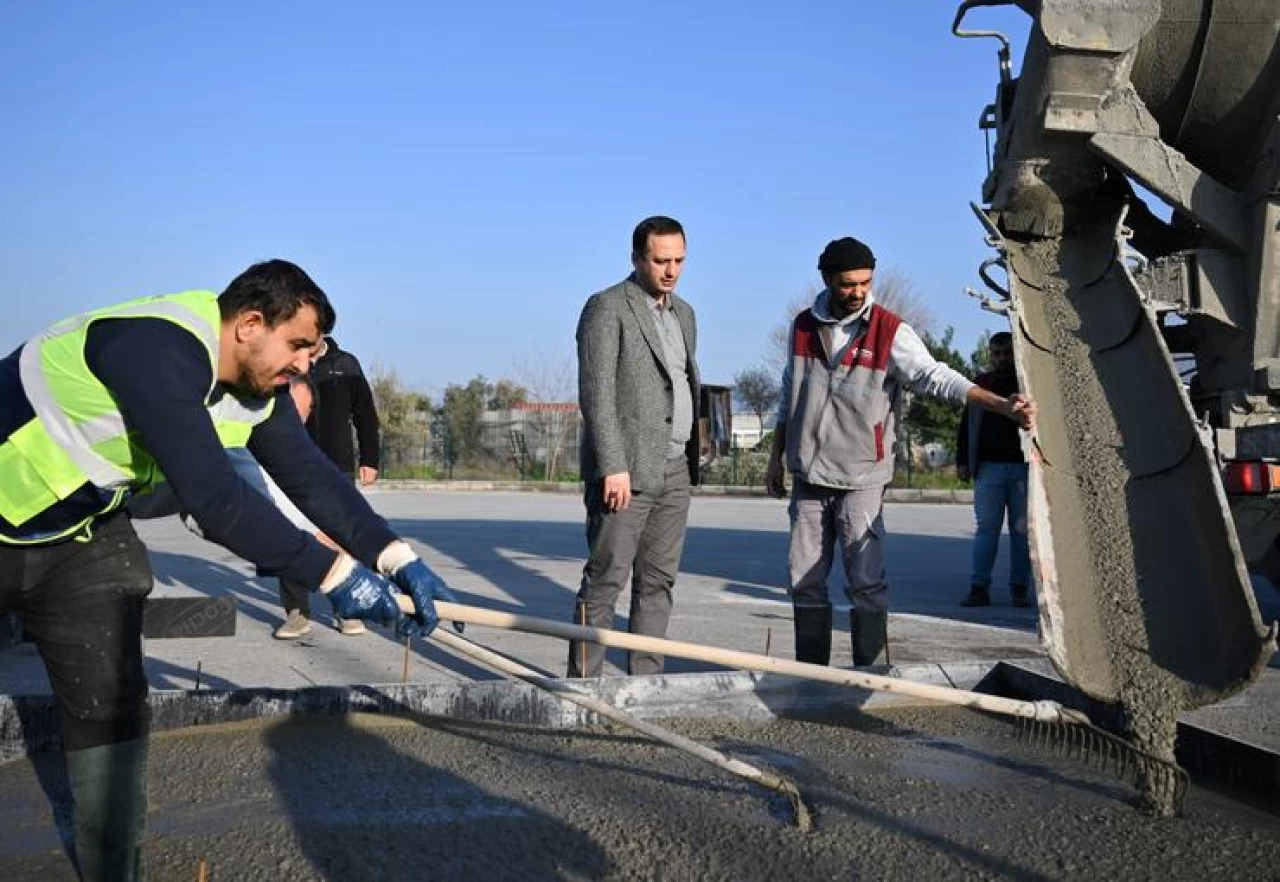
903, 794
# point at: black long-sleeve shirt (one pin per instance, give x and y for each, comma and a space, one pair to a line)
160, 375
343, 400
998, 438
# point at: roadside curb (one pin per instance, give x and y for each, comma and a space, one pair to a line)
31, 724
893, 494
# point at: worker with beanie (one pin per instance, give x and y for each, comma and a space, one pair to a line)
849, 362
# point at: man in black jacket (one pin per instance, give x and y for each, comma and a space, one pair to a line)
989, 452
345, 401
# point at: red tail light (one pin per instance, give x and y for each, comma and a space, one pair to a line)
1250, 477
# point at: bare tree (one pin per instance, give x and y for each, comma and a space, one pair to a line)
780, 335
757, 388
552, 384
893, 289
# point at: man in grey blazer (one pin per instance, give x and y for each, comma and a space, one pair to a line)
638, 390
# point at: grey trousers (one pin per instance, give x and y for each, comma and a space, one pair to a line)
643, 541
820, 515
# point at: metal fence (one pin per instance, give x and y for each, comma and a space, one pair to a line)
541, 443
536, 443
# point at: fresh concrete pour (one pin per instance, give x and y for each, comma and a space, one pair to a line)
906, 794
1143, 599
1149, 695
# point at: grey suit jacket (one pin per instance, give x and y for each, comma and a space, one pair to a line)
624, 389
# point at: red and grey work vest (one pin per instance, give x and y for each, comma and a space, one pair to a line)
841, 427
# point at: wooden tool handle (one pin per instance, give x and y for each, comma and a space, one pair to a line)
1045, 711
570, 693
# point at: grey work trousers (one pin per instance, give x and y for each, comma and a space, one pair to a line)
643, 541
818, 516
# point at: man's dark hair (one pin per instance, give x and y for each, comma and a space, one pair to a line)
658, 225
1001, 338
277, 289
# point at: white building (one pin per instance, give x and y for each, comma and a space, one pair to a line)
747, 431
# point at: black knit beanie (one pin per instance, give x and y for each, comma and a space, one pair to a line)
845, 254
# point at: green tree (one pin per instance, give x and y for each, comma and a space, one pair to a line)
460, 412
461, 409
929, 420
398, 405
980, 358
404, 418
505, 394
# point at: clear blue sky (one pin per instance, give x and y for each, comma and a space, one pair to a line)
460, 177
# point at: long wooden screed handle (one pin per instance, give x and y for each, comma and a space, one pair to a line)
1043, 711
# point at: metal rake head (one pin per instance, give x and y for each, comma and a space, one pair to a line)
1161, 783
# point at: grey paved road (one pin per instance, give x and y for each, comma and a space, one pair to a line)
523, 552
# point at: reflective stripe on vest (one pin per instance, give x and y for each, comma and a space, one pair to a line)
41, 367
79, 435
234, 418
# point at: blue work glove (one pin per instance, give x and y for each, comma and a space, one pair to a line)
363, 594
417, 580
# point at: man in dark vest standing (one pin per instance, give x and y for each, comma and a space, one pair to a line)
849, 362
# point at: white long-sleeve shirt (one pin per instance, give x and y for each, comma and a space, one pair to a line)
910, 362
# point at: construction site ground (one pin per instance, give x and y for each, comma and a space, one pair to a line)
943, 792
523, 553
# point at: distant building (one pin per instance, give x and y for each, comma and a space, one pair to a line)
747, 430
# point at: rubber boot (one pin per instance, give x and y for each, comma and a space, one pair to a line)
813, 634
109, 784
869, 633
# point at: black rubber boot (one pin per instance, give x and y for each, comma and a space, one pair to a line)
1020, 596
813, 634
109, 784
869, 633
978, 596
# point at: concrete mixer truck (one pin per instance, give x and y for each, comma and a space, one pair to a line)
1149, 335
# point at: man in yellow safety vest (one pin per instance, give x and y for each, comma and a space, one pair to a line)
98, 410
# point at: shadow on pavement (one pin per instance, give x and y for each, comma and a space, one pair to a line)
362, 807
